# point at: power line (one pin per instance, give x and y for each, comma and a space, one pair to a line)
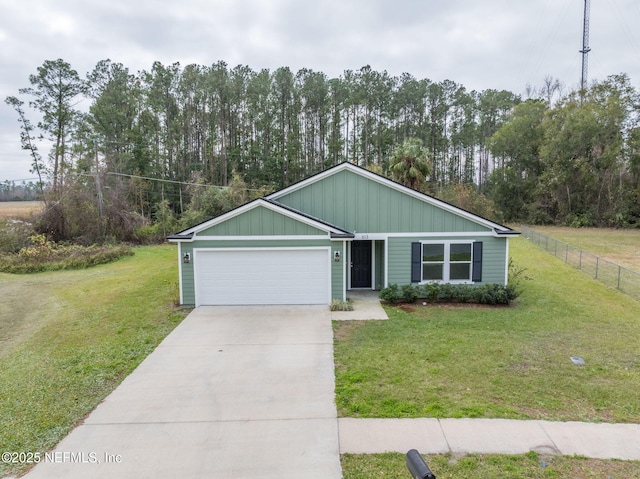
143, 178
22, 179
620, 17
177, 182
163, 181
540, 50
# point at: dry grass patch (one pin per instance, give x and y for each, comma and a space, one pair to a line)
621, 246
20, 209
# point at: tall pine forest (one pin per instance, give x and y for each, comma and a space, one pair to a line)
129, 156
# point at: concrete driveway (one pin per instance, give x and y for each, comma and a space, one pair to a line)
232, 392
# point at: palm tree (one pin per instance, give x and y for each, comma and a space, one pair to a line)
410, 164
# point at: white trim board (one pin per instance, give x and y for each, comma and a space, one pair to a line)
443, 234
181, 265
261, 238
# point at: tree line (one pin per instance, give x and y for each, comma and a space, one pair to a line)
23, 191
543, 159
576, 162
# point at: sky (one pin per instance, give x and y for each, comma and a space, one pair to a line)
488, 44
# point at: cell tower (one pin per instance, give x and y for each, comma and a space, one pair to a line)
585, 47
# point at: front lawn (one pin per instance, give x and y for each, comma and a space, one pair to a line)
70, 337
502, 362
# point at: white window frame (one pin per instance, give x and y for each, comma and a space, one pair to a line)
446, 263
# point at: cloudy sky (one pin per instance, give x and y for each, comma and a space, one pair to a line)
498, 44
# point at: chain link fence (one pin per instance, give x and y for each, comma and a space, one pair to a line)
611, 274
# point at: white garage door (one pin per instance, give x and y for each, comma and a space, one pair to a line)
262, 276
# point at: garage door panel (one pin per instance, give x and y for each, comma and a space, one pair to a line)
262, 276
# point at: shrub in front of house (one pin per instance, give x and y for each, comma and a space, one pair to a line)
391, 294
338, 305
491, 293
409, 293
450, 293
431, 292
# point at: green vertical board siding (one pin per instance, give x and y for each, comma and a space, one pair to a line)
359, 204
493, 258
188, 290
337, 271
261, 221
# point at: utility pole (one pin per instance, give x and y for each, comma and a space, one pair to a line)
585, 48
98, 187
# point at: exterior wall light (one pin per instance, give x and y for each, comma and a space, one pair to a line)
186, 258
336, 256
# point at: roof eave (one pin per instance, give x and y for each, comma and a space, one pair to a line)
178, 238
342, 236
508, 232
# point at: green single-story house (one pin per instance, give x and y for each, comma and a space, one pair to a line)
342, 229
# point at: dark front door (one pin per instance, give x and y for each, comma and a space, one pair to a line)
361, 264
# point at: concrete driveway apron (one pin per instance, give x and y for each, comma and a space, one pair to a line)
232, 392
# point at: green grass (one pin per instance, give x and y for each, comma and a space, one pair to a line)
69, 338
500, 362
616, 245
475, 466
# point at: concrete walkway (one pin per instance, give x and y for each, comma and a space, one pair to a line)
489, 436
366, 307
232, 392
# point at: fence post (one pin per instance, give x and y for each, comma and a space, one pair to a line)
566, 253
619, 268
580, 262
597, 258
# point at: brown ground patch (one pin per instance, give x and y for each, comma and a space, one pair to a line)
422, 304
20, 209
343, 330
407, 308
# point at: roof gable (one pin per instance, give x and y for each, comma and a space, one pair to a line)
260, 217
361, 201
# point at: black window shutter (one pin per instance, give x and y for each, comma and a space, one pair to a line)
476, 274
416, 262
